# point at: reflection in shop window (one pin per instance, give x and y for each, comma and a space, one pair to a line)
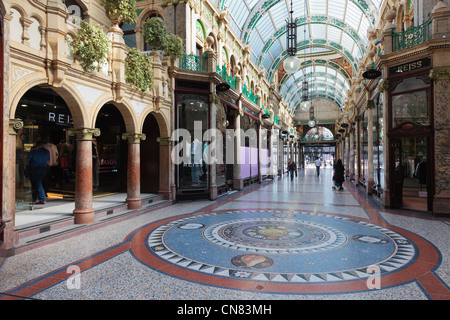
192, 113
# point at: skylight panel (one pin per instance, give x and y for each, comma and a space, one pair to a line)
336, 9
256, 43
268, 61
353, 15
334, 34
239, 12
279, 14
265, 27
251, 3
276, 49
318, 31
347, 42
318, 7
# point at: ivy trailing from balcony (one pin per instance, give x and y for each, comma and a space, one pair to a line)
90, 46
138, 70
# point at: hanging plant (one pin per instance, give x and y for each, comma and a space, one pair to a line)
138, 70
91, 46
125, 9
155, 34
174, 48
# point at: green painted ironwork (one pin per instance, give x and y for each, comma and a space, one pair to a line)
224, 74
194, 63
411, 37
249, 94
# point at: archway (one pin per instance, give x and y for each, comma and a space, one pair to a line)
110, 153
150, 155
46, 118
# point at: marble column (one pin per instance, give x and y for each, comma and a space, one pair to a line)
10, 232
167, 185
84, 212
351, 169
370, 181
133, 199
238, 183
441, 201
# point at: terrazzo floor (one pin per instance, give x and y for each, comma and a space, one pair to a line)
281, 240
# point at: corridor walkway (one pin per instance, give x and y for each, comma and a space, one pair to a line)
279, 240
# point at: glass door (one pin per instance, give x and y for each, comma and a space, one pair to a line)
411, 179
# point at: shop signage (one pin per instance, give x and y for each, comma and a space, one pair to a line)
410, 66
59, 118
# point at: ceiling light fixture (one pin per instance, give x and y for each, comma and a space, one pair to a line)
292, 62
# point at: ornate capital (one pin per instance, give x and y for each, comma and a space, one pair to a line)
213, 98
369, 104
84, 134
134, 138
440, 73
383, 86
164, 141
14, 126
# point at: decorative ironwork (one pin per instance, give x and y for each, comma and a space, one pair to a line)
194, 63
224, 74
412, 36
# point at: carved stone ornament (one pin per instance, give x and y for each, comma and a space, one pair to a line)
383, 86
134, 138
15, 125
84, 133
369, 105
213, 98
440, 73
164, 141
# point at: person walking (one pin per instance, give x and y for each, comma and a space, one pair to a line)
38, 162
317, 163
292, 168
338, 176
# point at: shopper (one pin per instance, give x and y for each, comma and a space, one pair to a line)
292, 168
338, 176
317, 163
37, 160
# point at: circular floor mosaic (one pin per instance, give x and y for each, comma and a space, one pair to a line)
278, 246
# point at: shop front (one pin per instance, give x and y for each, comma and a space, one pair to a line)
46, 121
410, 130
191, 122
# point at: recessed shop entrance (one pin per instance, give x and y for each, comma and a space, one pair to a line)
46, 120
150, 168
109, 152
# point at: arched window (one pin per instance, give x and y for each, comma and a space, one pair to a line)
74, 9
129, 34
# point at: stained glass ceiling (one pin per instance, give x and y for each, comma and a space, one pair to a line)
331, 38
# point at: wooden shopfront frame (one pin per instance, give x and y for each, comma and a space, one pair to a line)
411, 69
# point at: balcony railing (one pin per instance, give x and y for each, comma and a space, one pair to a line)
224, 74
411, 37
249, 94
193, 62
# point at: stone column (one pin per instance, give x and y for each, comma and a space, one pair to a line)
351, 169
441, 201
347, 153
84, 212
134, 200
167, 186
370, 181
10, 232
238, 183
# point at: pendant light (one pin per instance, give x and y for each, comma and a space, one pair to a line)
292, 62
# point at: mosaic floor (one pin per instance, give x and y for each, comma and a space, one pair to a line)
279, 240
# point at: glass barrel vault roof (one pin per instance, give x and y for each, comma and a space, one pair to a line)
336, 28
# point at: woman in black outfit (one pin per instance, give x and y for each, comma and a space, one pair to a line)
338, 176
